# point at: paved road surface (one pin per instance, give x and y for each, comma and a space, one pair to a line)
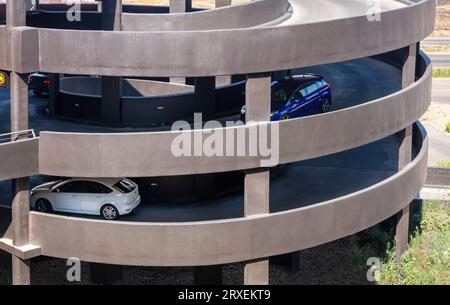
441, 91
436, 41
440, 60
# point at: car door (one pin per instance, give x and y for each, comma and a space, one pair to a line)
94, 196
312, 97
297, 102
67, 197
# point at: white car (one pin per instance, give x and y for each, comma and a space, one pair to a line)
109, 198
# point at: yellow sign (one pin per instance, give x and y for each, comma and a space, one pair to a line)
2, 79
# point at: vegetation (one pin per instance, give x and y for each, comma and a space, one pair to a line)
427, 261
448, 127
441, 72
444, 164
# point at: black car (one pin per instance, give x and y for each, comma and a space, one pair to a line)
39, 83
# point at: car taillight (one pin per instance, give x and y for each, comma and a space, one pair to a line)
30, 79
328, 86
46, 82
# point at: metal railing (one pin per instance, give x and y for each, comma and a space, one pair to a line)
17, 136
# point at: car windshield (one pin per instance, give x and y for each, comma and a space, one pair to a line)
124, 186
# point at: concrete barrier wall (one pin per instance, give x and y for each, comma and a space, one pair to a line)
231, 240
248, 50
19, 159
245, 15
98, 155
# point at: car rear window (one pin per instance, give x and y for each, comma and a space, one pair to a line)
124, 186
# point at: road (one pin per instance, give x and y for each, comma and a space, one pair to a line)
437, 41
440, 60
441, 91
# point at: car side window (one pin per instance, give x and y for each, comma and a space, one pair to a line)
72, 187
312, 88
96, 188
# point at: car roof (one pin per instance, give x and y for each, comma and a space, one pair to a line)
106, 181
298, 79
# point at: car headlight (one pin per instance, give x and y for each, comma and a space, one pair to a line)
243, 110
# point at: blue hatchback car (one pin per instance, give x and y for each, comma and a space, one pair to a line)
297, 96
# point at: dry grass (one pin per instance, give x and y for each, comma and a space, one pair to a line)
442, 19
438, 116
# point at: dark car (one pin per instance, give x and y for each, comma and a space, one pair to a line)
297, 96
39, 83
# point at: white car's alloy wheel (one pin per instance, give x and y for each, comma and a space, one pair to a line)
109, 212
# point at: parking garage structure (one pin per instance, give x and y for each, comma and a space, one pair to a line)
130, 44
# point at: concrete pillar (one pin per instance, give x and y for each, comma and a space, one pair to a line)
15, 17
19, 101
16, 13
221, 3
223, 80
20, 271
54, 93
257, 181
180, 6
405, 156
204, 96
208, 275
20, 225
256, 272
111, 96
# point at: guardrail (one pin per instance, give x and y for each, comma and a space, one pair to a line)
17, 136
438, 176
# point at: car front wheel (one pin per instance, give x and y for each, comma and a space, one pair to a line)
109, 212
43, 206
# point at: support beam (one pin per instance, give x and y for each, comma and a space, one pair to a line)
180, 6
19, 101
208, 275
16, 13
405, 156
176, 7
16, 17
256, 273
20, 271
256, 185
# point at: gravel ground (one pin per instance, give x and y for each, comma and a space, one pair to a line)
325, 264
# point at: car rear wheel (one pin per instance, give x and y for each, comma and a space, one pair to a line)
109, 212
325, 106
43, 206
